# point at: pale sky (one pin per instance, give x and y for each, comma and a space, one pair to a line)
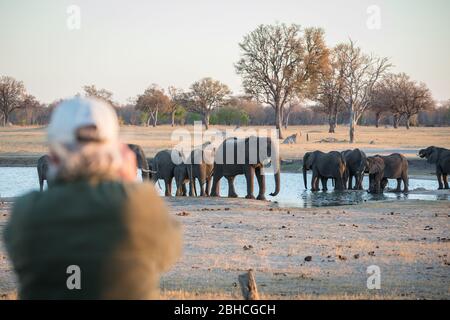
125, 46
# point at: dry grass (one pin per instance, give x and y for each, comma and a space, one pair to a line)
342, 241
23, 141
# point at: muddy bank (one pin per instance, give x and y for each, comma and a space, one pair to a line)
302, 253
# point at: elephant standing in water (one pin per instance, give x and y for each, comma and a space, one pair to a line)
198, 166
375, 167
183, 174
201, 162
355, 163
141, 160
246, 156
162, 166
42, 169
395, 167
324, 166
440, 157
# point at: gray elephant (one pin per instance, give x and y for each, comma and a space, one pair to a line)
183, 174
395, 167
246, 156
323, 166
162, 167
440, 157
141, 160
201, 163
42, 169
375, 167
198, 166
355, 163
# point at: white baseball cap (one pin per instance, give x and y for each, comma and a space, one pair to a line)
77, 113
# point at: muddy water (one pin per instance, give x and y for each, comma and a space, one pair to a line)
15, 181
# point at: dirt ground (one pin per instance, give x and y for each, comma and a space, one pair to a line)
408, 240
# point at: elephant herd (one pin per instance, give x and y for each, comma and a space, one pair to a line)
249, 157
342, 167
209, 165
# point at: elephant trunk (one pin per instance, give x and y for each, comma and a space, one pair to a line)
144, 168
304, 177
277, 184
276, 169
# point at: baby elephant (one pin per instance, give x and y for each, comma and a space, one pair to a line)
375, 167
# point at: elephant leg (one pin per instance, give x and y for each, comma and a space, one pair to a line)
405, 182
444, 177
339, 185
183, 189
249, 176
41, 184
350, 178
179, 190
231, 192
384, 183
259, 172
315, 181
360, 181
168, 186
191, 186
215, 191
194, 187
439, 179
399, 184
208, 187
371, 184
324, 183
378, 184
202, 187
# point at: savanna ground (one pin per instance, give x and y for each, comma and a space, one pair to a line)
19, 143
408, 240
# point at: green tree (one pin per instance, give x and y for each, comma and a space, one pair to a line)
151, 102
206, 95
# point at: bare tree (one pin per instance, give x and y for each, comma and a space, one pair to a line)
384, 98
103, 94
401, 96
360, 73
151, 102
176, 97
279, 61
291, 105
30, 106
329, 91
205, 95
413, 97
12, 93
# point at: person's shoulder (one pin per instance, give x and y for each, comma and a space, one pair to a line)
140, 189
26, 202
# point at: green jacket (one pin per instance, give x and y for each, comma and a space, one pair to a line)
119, 235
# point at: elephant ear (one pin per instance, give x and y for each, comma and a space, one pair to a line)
252, 145
433, 156
310, 159
376, 165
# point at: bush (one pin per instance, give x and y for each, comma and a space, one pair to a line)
230, 116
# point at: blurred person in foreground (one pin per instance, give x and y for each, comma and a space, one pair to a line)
115, 231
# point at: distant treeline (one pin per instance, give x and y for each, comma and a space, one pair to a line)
242, 115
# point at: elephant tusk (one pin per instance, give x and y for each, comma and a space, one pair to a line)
148, 171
